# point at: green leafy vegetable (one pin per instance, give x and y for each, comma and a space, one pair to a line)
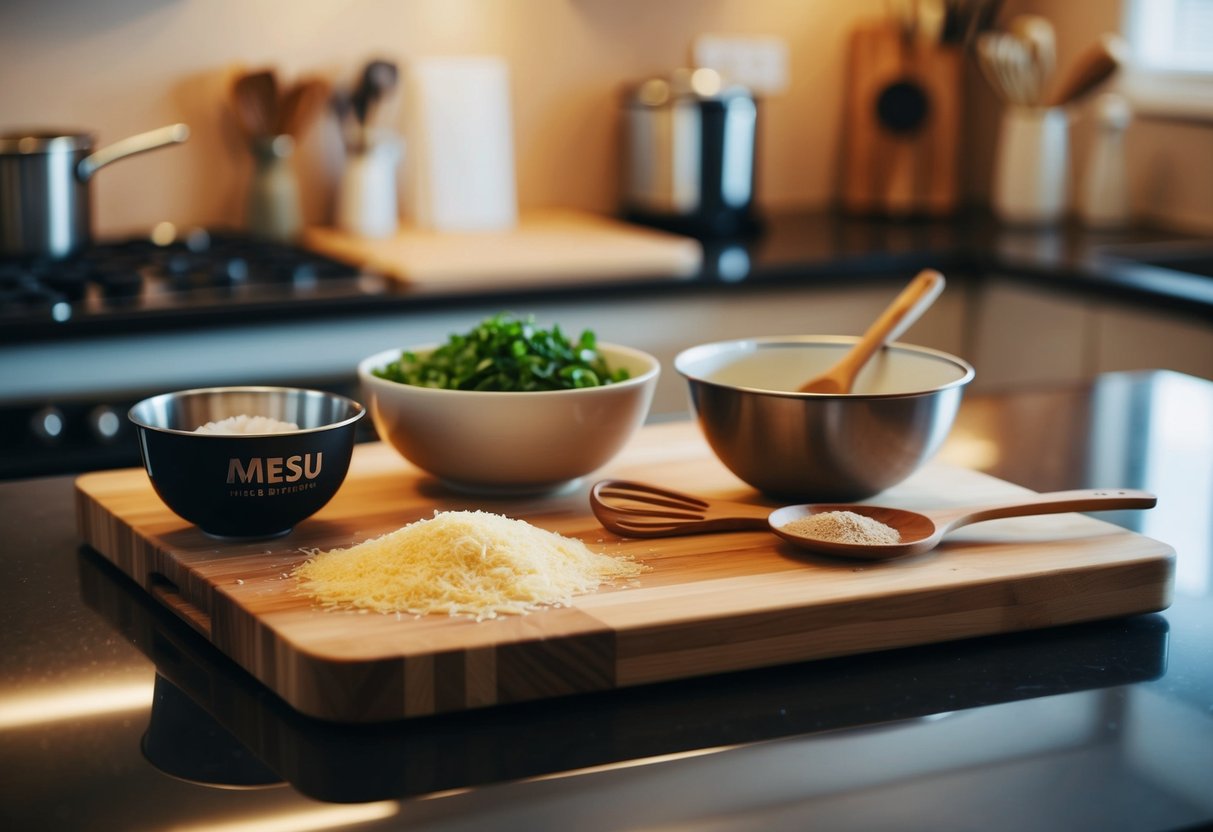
505, 353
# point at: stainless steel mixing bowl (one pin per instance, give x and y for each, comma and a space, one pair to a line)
814, 447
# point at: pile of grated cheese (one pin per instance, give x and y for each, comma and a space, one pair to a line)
463, 563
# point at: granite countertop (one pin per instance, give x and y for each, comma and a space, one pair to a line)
1067, 257
792, 247
115, 715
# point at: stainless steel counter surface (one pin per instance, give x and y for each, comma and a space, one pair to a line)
114, 716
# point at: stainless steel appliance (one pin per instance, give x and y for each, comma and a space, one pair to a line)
45, 205
689, 154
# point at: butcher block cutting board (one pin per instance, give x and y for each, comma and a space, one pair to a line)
902, 124
707, 604
552, 247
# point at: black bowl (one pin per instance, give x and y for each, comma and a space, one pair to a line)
246, 485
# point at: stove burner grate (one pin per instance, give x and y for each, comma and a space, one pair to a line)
203, 268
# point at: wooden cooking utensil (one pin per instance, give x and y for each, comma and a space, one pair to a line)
633, 509
255, 99
300, 106
1090, 69
905, 309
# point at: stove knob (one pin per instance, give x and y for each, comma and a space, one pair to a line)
197, 240
118, 283
48, 425
105, 423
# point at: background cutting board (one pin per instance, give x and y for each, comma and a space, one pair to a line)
711, 603
563, 247
893, 172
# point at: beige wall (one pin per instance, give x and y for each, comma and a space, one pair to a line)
121, 66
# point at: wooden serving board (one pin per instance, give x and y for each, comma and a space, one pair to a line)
709, 604
901, 172
552, 247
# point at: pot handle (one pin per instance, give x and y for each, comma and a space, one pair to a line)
172, 134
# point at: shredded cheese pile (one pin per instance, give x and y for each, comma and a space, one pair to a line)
468, 563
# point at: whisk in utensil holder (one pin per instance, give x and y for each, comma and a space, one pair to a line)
1031, 166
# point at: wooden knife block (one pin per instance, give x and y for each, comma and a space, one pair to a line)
902, 124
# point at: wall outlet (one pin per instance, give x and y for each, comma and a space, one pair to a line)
759, 63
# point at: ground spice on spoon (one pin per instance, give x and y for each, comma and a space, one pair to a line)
843, 527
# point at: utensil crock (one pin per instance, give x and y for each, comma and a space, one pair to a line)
1031, 166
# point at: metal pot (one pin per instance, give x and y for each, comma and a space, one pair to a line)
45, 207
689, 154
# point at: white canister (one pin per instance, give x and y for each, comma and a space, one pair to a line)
1031, 168
274, 208
1103, 196
367, 203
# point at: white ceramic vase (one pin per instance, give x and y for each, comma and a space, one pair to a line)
367, 203
1031, 168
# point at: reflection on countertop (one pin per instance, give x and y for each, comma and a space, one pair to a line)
344, 763
1140, 430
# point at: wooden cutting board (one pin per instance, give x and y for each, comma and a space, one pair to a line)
902, 124
553, 247
709, 604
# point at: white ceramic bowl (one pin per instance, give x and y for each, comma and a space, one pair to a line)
499, 442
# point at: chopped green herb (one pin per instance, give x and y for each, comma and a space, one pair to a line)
505, 353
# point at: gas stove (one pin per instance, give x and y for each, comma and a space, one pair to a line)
180, 280
83, 338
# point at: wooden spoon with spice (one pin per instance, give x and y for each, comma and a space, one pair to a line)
850, 530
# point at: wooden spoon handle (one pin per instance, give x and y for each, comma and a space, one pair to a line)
1090, 69
897, 317
1056, 502
914, 300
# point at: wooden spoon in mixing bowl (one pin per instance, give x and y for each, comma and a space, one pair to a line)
634, 509
905, 309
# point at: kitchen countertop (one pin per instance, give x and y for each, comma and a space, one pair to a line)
792, 247
116, 716
827, 246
